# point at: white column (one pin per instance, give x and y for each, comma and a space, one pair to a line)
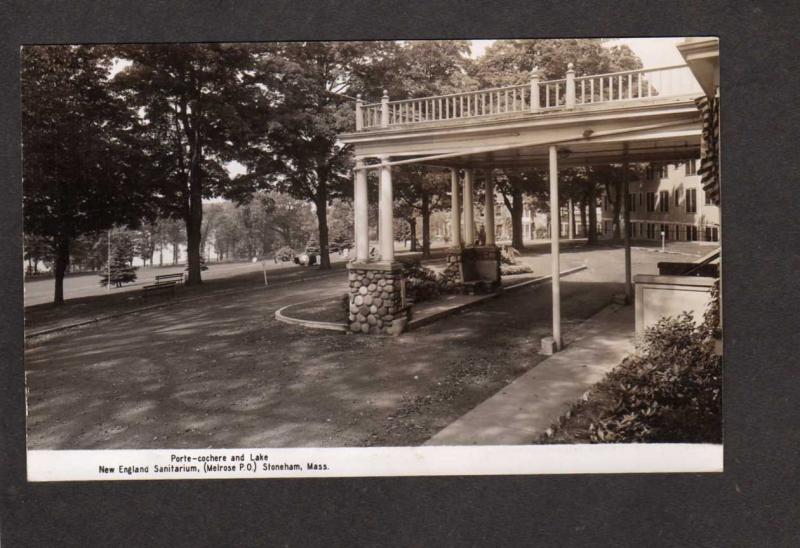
571, 220
554, 247
469, 213
455, 217
489, 208
386, 207
361, 213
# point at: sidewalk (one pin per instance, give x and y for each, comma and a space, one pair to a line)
528, 406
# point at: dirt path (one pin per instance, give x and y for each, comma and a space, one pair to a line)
222, 372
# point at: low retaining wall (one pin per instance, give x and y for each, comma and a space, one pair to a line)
661, 296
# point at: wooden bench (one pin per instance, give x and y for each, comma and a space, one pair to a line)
160, 287
177, 278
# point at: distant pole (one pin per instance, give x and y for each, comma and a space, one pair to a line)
108, 263
662, 242
264, 268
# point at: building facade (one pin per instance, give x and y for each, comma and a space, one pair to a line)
668, 199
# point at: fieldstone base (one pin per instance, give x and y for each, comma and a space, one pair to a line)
472, 269
376, 302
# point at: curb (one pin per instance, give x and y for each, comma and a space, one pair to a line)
98, 319
416, 324
330, 326
413, 324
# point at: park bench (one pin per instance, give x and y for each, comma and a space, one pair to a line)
160, 287
177, 278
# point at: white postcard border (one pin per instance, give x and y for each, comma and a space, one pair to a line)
176, 464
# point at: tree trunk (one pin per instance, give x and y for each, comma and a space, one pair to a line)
426, 226
322, 223
412, 226
62, 263
592, 236
516, 220
194, 223
582, 205
616, 203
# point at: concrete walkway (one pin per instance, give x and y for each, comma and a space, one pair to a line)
524, 409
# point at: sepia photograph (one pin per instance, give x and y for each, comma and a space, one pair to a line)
285, 258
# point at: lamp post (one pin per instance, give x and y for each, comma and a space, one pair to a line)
108, 263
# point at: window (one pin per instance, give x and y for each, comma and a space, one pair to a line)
651, 231
677, 196
664, 171
648, 173
691, 233
712, 234
651, 202
691, 200
663, 201
641, 198
691, 167
708, 198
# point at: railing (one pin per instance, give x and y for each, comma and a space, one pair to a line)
537, 96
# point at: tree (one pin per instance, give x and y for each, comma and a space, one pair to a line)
610, 178
37, 250
420, 191
80, 159
203, 105
304, 158
510, 62
123, 248
145, 241
513, 185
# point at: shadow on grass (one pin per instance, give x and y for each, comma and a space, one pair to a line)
222, 372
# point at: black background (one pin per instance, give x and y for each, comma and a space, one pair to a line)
755, 502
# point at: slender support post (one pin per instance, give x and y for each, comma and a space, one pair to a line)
361, 207
570, 95
359, 113
535, 76
554, 248
455, 217
626, 214
469, 213
385, 109
108, 263
489, 208
571, 220
386, 214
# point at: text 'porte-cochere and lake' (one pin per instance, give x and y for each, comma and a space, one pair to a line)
210, 463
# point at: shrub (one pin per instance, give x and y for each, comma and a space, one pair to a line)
285, 254
508, 270
422, 283
509, 255
669, 392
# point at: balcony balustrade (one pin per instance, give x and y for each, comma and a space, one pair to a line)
535, 97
